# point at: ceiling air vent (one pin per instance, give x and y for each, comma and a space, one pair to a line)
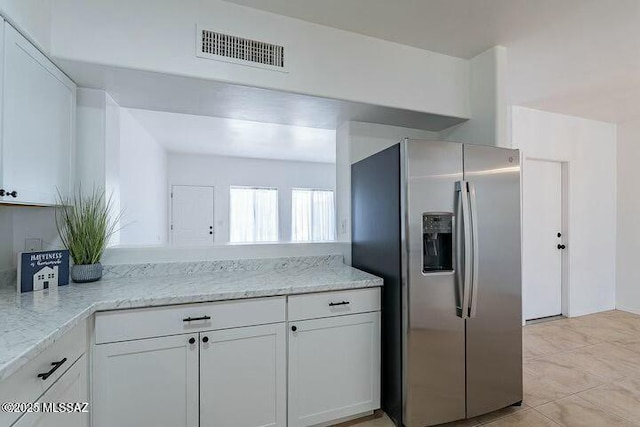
239, 50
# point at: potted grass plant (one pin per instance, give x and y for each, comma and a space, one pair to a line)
85, 224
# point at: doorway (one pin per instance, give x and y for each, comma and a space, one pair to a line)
544, 236
192, 215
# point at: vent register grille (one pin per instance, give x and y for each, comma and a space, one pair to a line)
218, 45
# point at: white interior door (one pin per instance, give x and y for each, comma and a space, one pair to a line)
542, 223
192, 215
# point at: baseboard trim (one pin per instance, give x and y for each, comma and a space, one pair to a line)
629, 309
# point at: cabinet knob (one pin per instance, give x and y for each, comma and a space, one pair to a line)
192, 340
294, 328
205, 339
4, 192
561, 246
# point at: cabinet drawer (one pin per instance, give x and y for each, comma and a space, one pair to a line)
328, 304
26, 386
123, 325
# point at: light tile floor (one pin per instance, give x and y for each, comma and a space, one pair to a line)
579, 372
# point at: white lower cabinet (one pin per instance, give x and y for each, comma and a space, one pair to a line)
334, 356
233, 376
148, 382
334, 368
243, 377
239, 363
72, 387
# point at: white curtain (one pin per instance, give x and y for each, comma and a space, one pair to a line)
312, 215
253, 214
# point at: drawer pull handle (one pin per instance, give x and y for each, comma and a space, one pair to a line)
193, 319
333, 304
55, 367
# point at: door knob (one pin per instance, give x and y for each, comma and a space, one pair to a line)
561, 246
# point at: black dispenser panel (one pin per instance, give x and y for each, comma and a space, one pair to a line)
437, 242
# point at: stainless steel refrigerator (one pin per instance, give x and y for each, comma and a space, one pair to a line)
440, 222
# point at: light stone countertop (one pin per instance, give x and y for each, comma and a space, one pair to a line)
31, 322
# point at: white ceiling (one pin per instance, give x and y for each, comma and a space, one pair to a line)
578, 57
186, 133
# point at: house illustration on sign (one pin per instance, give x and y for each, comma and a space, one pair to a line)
45, 278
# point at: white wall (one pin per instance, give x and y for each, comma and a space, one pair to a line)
90, 138
18, 223
589, 148
628, 219
32, 18
223, 172
143, 185
322, 61
343, 185
6, 238
366, 139
98, 146
489, 123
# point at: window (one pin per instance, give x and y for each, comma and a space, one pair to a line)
253, 214
312, 215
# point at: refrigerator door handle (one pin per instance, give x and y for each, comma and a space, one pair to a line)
474, 249
463, 249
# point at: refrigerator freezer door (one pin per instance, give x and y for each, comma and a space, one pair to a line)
494, 330
434, 354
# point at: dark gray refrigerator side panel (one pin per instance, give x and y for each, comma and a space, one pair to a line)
375, 236
494, 333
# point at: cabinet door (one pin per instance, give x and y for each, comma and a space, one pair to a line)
150, 382
70, 388
38, 125
334, 368
243, 377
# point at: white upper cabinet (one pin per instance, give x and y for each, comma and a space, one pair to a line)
38, 125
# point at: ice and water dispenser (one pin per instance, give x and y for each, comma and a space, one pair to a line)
437, 242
